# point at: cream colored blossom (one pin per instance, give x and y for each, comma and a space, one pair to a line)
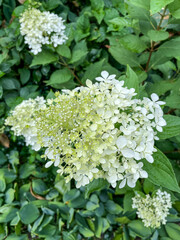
153, 210
41, 28
98, 131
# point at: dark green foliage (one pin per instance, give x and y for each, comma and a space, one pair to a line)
139, 42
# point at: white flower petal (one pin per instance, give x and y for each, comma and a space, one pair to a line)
126, 152
154, 97
48, 164
104, 74
131, 182
121, 142
162, 122
144, 174
57, 162
149, 158
88, 83
160, 102
159, 128
100, 79
123, 183
150, 116
112, 76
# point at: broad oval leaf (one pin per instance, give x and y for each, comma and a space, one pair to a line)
158, 35
161, 172
60, 76
172, 128
95, 185
28, 213
44, 57
124, 56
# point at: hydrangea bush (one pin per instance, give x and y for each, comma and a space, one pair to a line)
89, 120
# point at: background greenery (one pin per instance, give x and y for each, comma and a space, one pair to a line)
139, 42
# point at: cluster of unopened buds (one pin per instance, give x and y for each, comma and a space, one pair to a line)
41, 28
98, 131
153, 210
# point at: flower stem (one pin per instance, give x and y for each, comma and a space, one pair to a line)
73, 73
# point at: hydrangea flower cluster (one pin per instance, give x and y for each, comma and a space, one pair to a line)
23, 121
153, 210
98, 131
40, 28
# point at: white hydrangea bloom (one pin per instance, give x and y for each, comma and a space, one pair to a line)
98, 131
40, 28
153, 210
23, 121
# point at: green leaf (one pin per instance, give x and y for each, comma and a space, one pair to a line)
10, 84
44, 57
120, 22
98, 9
97, 5
124, 56
86, 232
132, 43
15, 237
138, 12
2, 111
70, 195
7, 213
9, 195
18, 11
172, 128
127, 201
113, 207
39, 186
157, 5
1, 92
91, 206
98, 227
26, 170
141, 3
64, 51
68, 236
9, 175
173, 230
84, 228
171, 48
155, 235
123, 220
82, 27
79, 53
157, 35
131, 80
51, 4
148, 186
47, 231
139, 229
174, 9
93, 71
2, 184
173, 101
110, 13
24, 75
161, 172
95, 185
61, 186
37, 222
3, 157
28, 213
60, 76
